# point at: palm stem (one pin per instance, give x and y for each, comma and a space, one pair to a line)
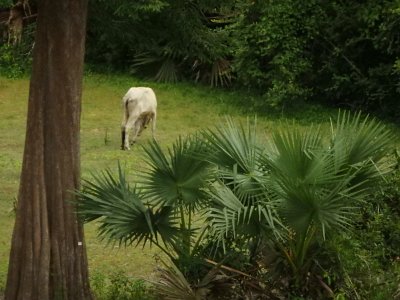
184, 241
189, 230
301, 251
200, 238
289, 257
163, 250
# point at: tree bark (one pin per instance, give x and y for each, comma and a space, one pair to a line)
48, 255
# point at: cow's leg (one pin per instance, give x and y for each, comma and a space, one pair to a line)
130, 124
123, 135
153, 124
137, 129
143, 124
123, 128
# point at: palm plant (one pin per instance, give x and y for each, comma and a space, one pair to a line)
178, 181
291, 192
160, 210
242, 204
313, 187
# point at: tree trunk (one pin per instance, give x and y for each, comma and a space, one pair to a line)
48, 255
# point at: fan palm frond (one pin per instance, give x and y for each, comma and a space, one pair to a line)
325, 207
229, 217
122, 215
294, 152
221, 73
365, 137
168, 71
235, 150
172, 284
144, 58
178, 179
164, 65
233, 144
323, 185
309, 190
360, 143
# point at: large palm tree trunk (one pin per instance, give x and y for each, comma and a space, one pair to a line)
48, 257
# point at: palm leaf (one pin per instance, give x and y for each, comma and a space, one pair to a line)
164, 63
178, 179
229, 217
326, 207
221, 73
168, 71
293, 151
234, 149
365, 138
323, 185
360, 144
144, 58
233, 144
122, 215
172, 284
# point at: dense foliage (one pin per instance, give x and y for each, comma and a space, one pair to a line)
166, 39
356, 59
342, 53
15, 61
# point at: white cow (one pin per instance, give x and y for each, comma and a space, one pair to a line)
139, 108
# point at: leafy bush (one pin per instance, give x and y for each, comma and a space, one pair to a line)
355, 55
343, 53
15, 61
5, 3
272, 53
12, 63
120, 286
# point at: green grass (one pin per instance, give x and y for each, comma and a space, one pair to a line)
182, 109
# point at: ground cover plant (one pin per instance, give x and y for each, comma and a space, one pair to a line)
183, 109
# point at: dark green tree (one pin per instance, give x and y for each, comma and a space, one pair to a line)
341, 53
163, 39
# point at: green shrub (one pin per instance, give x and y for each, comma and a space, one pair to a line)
272, 55
364, 264
120, 286
15, 61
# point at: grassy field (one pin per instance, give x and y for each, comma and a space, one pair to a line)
182, 109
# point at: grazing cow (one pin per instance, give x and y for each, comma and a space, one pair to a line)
139, 108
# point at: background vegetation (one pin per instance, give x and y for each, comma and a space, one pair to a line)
339, 53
